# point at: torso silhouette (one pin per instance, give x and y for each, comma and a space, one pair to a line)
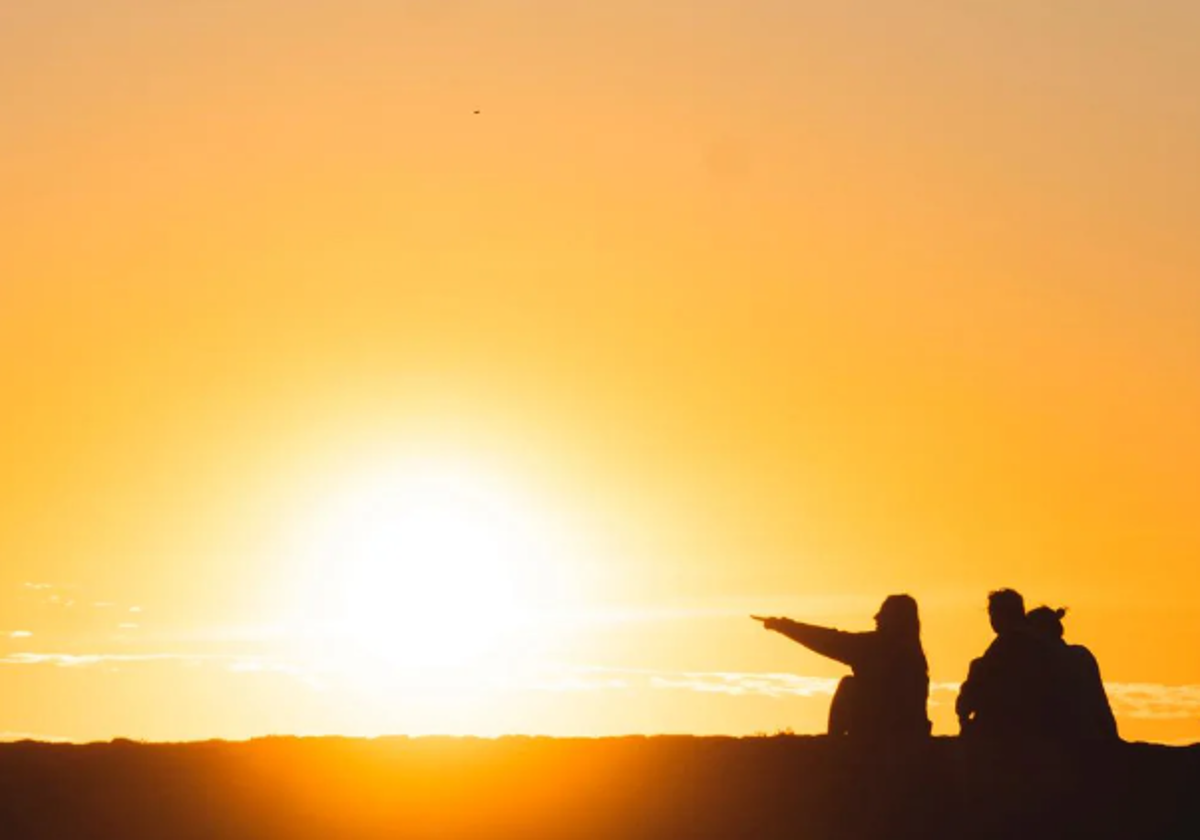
1014, 689
891, 679
1090, 717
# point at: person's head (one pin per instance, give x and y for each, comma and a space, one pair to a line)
898, 617
1006, 609
1046, 623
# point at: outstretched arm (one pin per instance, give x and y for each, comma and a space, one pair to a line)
834, 644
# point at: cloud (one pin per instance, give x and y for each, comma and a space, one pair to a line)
75, 606
88, 660
20, 634
1143, 701
235, 663
1130, 700
72, 660
1151, 701
702, 682
741, 684
50, 593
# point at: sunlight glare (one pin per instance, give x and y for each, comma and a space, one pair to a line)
427, 577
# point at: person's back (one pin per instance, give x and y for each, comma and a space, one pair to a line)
1095, 716
1010, 688
1010, 691
893, 682
1083, 710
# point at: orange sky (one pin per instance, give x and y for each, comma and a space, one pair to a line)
748, 307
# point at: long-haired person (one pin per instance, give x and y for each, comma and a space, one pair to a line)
886, 694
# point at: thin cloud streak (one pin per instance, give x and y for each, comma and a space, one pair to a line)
1144, 701
1151, 701
72, 660
702, 682
233, 663
738, 684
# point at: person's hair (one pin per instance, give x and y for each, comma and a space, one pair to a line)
898, 616
1046, 622
1006, 602
899, 620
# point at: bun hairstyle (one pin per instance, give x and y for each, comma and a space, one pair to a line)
1046, 621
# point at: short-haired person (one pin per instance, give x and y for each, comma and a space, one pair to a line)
1011, 691
988, 701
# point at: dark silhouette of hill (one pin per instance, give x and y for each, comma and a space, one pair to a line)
529, 788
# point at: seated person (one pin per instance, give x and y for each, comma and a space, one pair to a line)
1009, 691
1085, 712
887, 693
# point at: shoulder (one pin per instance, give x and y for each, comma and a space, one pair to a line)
1083, 656
1000, 647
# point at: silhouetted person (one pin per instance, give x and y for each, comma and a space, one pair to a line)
885, 696
1011, 690
1086, 713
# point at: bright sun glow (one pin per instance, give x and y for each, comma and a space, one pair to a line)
425, 576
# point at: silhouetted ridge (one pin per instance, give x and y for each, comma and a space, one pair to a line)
630, 788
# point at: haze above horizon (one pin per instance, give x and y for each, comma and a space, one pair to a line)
643, 319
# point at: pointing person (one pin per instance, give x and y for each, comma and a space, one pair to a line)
886, 694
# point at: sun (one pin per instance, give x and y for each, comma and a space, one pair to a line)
419, 576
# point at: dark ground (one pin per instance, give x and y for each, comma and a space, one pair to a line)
529, 788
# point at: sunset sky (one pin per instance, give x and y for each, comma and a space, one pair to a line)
478, 366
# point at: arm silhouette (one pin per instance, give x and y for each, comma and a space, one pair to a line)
839, 645
966, 704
